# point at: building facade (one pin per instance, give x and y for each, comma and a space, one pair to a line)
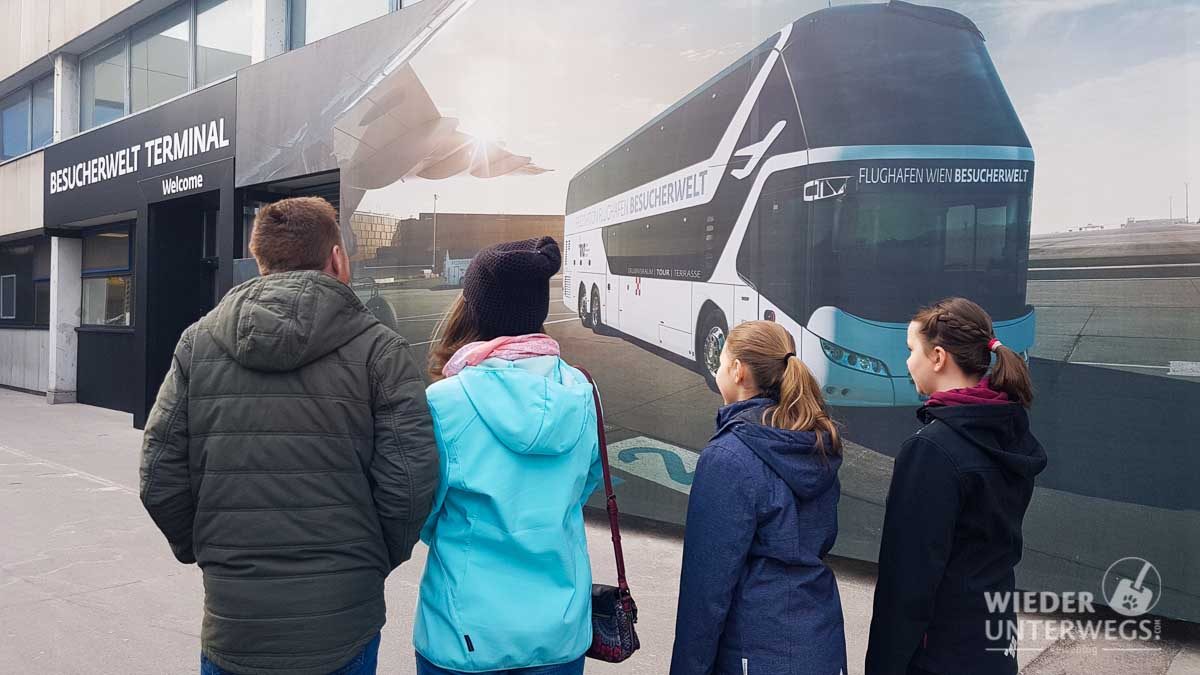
119, 218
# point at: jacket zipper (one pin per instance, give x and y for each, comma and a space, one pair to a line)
745, 666
470, 645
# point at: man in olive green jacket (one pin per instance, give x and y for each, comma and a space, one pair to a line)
290, 453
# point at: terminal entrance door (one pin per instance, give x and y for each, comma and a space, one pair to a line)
181, 265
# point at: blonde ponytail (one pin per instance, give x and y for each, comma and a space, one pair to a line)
768, 351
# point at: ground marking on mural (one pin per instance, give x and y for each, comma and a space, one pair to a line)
668, 465
1117, 365
439, 315
1185, 368
1111, 267
1104, 279
429, 342
419, 320
421, 316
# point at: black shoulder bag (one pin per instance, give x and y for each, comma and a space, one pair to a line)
613, 609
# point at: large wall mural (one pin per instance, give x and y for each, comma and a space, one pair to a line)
828, 168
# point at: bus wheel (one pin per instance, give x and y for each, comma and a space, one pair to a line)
710, 340
382, 311
584, 317
597, 321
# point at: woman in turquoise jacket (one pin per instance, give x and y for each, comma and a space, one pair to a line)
507, 585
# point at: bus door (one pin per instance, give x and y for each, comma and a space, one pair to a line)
773, 254
745, 304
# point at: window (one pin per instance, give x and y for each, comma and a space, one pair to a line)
27, 118
160, 58
223, 38
22, 263
14, 124
879, 254
41, 302
42, 131
106, 251
851, 86
194, 43
102, 78
8, 296
41, 282
107, 278
312, 20
108, 301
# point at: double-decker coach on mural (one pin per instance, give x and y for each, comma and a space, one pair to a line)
863, 161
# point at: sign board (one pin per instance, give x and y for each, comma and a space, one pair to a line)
98, 172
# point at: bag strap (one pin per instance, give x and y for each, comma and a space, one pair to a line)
611, 502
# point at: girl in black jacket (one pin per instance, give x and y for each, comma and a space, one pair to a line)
952, 531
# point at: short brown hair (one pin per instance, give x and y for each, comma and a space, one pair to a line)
294, 234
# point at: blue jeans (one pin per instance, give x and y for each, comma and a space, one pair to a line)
363, 663
424, 667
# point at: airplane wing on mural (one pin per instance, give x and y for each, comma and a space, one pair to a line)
395, 132
366, 112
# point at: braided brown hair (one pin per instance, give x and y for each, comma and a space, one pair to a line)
964, 330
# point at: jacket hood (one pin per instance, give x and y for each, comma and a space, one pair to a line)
280, 322
980, 394
792, 455
534, 406
1002, 431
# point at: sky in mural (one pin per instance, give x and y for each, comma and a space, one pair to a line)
1108, 91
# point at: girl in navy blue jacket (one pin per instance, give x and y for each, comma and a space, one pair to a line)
755, 595
952, 531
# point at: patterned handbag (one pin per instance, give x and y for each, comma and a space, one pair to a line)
613, 609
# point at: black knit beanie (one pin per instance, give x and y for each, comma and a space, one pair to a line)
507, 286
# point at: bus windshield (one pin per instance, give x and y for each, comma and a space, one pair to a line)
880, 256
916, 82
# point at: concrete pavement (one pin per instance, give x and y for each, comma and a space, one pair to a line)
88, 585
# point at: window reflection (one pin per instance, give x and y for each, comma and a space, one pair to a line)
108, 301
159, 59
223, 38
102, 86
43, 112
312, 21
14, 125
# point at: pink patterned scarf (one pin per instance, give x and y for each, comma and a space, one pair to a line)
507, 347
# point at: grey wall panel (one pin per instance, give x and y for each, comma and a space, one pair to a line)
23, 355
